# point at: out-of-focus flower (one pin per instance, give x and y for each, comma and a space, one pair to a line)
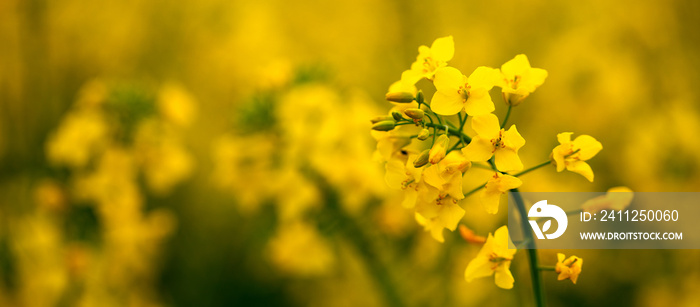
568, 268
49, 195
456, 92
80, 135
469, 235
617, 198
299, 249
571, 155
519, 79
494, 257
494, 141
430, 59
495, 187
176, 105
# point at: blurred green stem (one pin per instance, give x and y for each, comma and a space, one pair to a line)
537, 286
505, 120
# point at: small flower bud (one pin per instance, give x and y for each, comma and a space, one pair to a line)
414, 113
396, 115
420, 98
512, 99
439, 150
386, 125
424, 134
401, 97
422, 159
380, 119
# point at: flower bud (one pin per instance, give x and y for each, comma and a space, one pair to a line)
386, 125
380, 119
400, 97
396, 115
414, 113
422, 159
439, 150
424, 134
420, 98
513, 99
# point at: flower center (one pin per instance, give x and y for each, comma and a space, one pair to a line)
498, 141
463, 91
515, 81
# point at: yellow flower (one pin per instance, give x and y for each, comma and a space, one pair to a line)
402, 175
446, 176
430, 59
494, 257
445, 215
571, 155
495, 187
456, 92
439, 149
494, 141
519, 79
569, 268
617, 198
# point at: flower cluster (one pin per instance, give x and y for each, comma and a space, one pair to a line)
427, 152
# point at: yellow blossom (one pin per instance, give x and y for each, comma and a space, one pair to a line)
569, 268
571, 155
446, 176
519, 79
439, 149
402, 175
430, 59
177, 105
299, 249
494, 141
495, 187
494, 257
445, 215
617, 198
456, 92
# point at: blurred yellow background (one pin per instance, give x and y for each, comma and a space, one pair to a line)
209, 153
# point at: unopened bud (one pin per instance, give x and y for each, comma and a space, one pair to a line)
422, 159
380, 119
414, 113
420, 98
439, 150
401, 97
396, 115
424, 134
386, 125
513, 99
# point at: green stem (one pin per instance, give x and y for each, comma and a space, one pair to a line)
537, 286
547, 268
453, 132
505, 119
533, 168
474, 190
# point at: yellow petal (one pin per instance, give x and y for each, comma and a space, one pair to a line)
445, 104
513, 139
448, 80
504, 278
486, 126
432, 177
588, 145
480, 149
395, 174
483, 78
450, 215
409, 198
479, 105
564, 137
507, 160
454, 186
508, 182
582, 168
558, 154
443, 48
478, 267
536, 78
517, 66
490, 198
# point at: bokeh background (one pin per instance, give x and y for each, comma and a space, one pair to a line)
217, 153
